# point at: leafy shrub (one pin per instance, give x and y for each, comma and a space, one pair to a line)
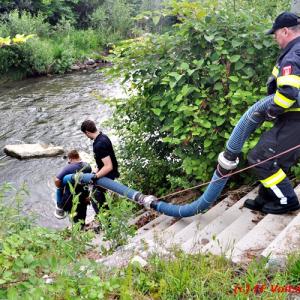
85, 40
39, 56
31, 58
27, 24
10, 212
113, 17
190, 86
113, 217
32, 257
62, 60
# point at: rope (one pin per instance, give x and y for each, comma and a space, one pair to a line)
230, 174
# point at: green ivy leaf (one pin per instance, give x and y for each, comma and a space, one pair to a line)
257, 46
175, 75
207, 143
198, 63
220, 121
155, 20
209, 38
239, 65
206, 124
157, 111
236, 43
234, 58
184, 66
234, 78
218, 86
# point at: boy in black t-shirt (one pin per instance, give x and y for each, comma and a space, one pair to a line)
107, 165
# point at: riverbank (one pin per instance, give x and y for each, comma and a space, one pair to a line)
63, 37
42, 263
77, 50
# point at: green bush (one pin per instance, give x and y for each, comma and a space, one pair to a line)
26, 24
190, 86
113, 217
31, 58
53, 50
113, 17
85, 40
185, 276
39, 263
39, 55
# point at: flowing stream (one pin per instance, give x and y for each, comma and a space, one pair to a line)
49, 110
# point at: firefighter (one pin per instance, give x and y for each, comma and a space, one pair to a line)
276, 194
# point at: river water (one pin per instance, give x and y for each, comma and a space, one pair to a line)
49, 110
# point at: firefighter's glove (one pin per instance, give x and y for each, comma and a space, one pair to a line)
269, 117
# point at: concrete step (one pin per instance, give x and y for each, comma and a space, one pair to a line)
153, 229
185, 228
155, 226
255, 241
198, 235
226, 228
157, 233
286, 242
225, 241
261, 236
152, 224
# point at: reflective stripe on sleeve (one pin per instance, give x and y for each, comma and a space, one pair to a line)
283, 101
275, 72
273, 179
290, 80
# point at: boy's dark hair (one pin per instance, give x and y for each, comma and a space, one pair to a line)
88, 125
73, 154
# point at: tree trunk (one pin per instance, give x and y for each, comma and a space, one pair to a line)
295, 6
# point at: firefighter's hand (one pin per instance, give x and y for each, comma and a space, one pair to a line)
269, 117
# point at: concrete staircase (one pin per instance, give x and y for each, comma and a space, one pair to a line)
225, 229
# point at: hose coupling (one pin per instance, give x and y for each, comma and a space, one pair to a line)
148, 201
145, 200
227, 164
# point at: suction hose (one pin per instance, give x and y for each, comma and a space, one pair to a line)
111, 185
228, 160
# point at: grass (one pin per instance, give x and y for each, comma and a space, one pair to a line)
207, 277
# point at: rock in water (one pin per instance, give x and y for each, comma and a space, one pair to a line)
32, 150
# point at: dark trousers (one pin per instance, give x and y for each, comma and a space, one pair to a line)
285, 134
81, 206
98, 198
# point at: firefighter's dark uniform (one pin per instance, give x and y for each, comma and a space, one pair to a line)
285, 109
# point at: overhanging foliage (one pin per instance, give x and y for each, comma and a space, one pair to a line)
189, 87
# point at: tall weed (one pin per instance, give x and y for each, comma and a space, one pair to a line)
114, 217
27, 24
113, 17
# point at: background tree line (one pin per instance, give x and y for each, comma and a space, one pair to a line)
65, 32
